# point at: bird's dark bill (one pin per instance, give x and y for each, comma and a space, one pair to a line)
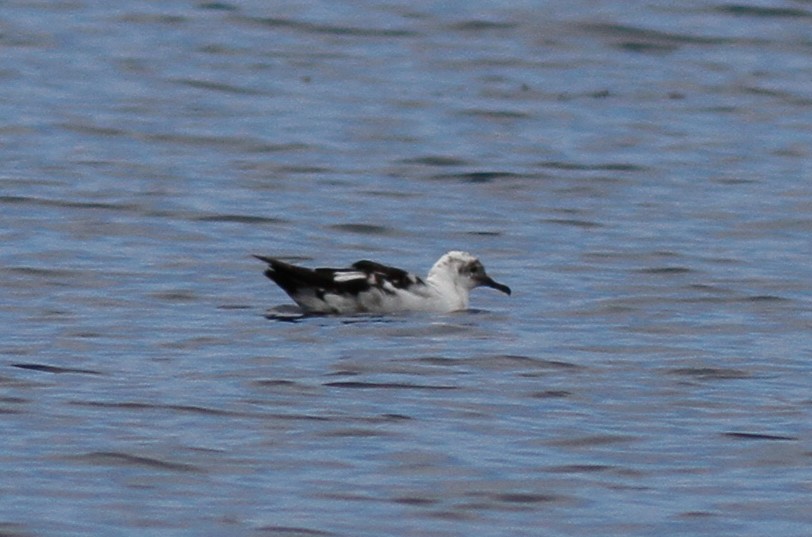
490, 282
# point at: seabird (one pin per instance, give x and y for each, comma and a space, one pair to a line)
370, 287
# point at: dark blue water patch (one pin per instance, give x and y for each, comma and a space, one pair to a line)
605, 166
394, 194
765, 298
763, 11
213, 413
486, 500
690, 515
151, 19
363, 229
217, 6
328, 29
179, 295
185, 409
572, 222
114, 458
13, 529
525, 365
786, 97
594, 440
377, 419
276, 383
734, 181
94, 130
665, 271
476, 26
709, 288
579, 468
710, 373
647, 47
14, 400
484, 233
393, 418
521, 362
68, 204
628, 36
43, 273
759, 436
16, 382
45, 368
240, 219
355, 432
215, 50
602, 93
478, 177
293, 531
440, 161
525, 497
551, 394
496, 114
260, 146
439, 361
219, 87
303, 169
386, 385
225, 142
415, 501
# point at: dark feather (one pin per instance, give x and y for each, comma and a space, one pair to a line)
291, 278
399, 278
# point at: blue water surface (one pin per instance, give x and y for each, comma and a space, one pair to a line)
638, 174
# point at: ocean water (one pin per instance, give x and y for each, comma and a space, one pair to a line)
639, 173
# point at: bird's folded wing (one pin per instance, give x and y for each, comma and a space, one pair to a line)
398, 278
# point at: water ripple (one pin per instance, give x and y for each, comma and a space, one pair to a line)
107, 458
638, 175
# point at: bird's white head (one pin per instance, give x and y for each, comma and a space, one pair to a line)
463, 272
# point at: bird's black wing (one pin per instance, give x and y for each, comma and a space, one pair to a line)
293, 278
398, 278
